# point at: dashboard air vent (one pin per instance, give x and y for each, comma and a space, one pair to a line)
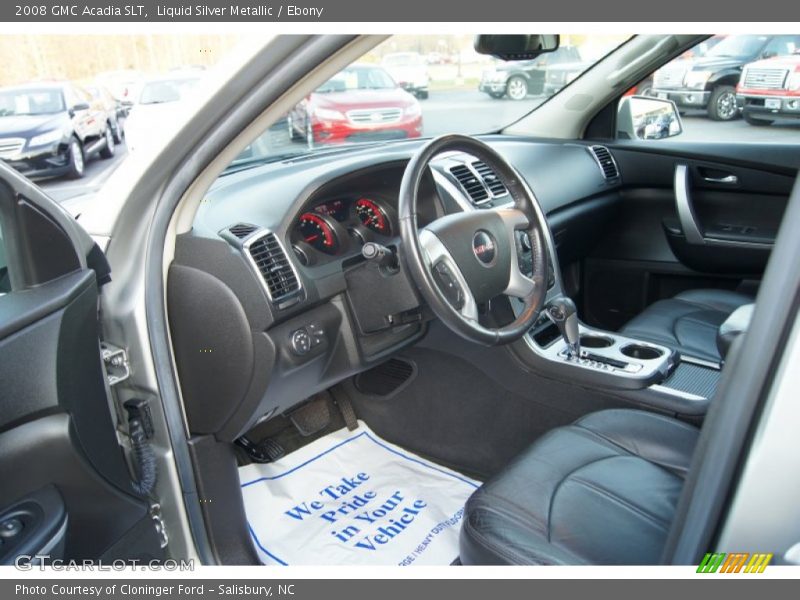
242, 230
496, 187
472, 185
271, 261
606, 162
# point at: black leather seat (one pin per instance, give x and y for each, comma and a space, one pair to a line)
600, 491
689, 322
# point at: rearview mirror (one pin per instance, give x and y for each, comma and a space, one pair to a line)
645, 118
516, 47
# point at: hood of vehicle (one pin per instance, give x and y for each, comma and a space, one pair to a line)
29, 125
354, 99
778, 62
149, 111
714, 63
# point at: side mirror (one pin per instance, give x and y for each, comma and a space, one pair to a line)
80, 106
516, 47
645, 118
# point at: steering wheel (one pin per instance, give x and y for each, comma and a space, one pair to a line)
465, 259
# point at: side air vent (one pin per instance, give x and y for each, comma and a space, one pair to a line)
242, 230
471, 183
270, 260
496, 187
606, 162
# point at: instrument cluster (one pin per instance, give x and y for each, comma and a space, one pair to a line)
343, 225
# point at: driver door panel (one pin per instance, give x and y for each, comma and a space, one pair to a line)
66, 484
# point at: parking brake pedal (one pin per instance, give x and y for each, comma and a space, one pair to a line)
265, 451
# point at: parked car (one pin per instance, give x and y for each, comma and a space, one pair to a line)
770, 89
436, 58
124, 85
115, 111
51, 129
560, 75
410, 72
157, 104
519, 79
709, 82
361, 103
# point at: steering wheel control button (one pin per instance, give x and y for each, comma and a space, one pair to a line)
301, 342
448, 285
10, 528
485, 248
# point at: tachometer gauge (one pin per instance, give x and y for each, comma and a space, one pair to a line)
373, 216
317, 232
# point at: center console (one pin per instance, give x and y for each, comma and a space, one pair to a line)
643, 372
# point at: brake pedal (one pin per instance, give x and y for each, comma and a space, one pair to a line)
342, 401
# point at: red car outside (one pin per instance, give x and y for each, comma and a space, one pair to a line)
361, 103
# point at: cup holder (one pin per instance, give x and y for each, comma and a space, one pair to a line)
596, 341
640, 352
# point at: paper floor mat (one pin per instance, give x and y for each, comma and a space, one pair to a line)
351, 498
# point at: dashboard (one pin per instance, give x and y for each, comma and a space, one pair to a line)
272, 277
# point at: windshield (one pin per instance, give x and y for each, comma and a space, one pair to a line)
358, 78
738, 45
402, 60
421, 87
31, 102
165, 90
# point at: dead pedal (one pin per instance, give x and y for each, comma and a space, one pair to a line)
312, 417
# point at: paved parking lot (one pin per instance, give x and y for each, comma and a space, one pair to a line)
461, 111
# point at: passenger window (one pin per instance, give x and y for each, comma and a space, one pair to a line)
728, 88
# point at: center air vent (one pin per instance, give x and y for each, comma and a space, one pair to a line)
471, 183
479, 181
496, 187
605, 161
270, 260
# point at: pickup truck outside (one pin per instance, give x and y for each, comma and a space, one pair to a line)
709, 81
770, 89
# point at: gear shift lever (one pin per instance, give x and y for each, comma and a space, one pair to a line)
563, 313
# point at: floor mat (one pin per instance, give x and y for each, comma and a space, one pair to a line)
351, 498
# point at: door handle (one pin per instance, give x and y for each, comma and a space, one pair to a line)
727, 179
683, 201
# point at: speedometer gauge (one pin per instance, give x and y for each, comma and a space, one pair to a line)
373, 216
317, 232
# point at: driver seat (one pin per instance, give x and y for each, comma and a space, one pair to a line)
602, 491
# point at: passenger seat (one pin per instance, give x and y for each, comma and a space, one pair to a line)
689, 322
